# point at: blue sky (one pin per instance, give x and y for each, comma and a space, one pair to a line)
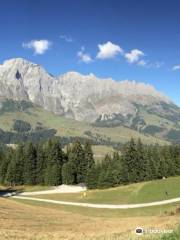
136, 40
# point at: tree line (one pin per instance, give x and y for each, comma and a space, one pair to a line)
48, 164
136, 163
45, 163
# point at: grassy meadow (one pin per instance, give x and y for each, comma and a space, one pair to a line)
30, 220
68, 127
133, 193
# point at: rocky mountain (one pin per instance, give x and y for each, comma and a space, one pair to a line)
102, 102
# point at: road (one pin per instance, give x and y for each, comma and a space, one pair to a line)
103, 206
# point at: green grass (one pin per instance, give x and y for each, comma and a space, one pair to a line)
100, 151
152, 119
68, 127
172, 236
29, 188
133, 193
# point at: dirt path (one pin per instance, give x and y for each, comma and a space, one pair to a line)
107, 206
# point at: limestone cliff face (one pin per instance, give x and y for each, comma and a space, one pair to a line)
23, 80
84, 98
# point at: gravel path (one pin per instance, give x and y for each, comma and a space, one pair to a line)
107, 206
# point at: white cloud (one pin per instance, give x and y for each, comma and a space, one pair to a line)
176, 67
158, 64
142, 63
134, 55
108, 50
147, 64
84, 57
38, 46
66, 38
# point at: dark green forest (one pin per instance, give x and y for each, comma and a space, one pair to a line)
46, 163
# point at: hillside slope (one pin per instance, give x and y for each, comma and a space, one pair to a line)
37, 116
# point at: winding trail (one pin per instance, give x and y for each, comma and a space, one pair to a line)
105, 206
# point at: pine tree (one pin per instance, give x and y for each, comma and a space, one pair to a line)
77, 158
41, 165
68, 173
152, 166
11, 172
117, 169
88, 154
129, 162
169, 161
20, 161
107, 162
175, 156
52, 175
30, 174
92, 177
105, 179
141, 162
14, 175
54, 159
5, 158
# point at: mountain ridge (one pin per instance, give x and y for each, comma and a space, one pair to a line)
87, 98
71, 90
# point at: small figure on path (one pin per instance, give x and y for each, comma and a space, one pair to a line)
84, 194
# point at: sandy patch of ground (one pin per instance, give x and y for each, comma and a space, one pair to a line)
59, 189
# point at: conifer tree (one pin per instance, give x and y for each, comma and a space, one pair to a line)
14, 175
54, 159
77, 158
152, 166
10, 174
30, 166
20, 160
41, 164
88, 154
92, 177
4, 162
141, 162
117, 168
68, 173
175, 153
169, 161
129, 162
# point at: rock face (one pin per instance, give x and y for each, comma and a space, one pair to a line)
84, 98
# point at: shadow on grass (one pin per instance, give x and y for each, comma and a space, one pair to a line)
9, 191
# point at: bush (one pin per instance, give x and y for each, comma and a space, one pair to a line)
21, 126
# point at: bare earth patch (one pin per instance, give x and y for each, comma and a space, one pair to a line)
59, 189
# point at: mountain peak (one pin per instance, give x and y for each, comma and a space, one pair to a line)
13, 61
82, 97
71, 74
